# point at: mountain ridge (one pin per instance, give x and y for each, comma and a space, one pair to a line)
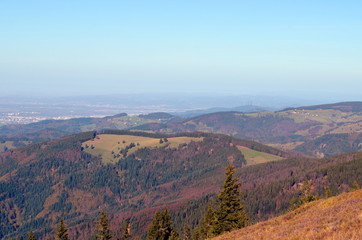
52, 179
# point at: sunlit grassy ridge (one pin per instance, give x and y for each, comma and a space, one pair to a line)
7, 144
11, 145
337, 218
254, 157
109, 145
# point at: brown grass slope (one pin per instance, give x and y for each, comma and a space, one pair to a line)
337, 218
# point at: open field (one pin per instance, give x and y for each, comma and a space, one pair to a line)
108, 145
253, 157
7, 144
336, 218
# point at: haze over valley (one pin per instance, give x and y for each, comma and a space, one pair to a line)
180, 120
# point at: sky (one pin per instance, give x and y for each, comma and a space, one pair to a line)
84, 47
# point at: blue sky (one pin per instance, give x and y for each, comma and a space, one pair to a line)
68, 47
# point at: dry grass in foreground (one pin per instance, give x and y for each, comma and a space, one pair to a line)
336, 218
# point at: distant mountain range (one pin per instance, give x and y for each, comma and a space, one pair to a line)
244, 109
314, 130
343, 107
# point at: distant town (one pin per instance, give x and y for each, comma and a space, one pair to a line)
31, 117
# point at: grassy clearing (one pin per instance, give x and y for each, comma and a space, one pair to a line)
254, 157
109, 145
7, 144
336, 218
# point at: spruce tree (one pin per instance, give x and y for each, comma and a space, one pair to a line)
229, 214
355, 186
103, 231
306, 193
327, 192
206, 223
196, 234
31, 236
62, 232
161, 226
187, 233
174, 235
126, 230
293, 204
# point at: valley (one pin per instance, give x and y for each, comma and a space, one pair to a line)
154, 175
56, 169
180, 120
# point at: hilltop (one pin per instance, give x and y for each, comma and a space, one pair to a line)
42, 182
290, 129
319, 131
128, 173
337, 217
342, 106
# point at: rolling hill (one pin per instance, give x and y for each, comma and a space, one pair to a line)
334, 218
306, 129
244, 109
63, 178
20, 135
42, 182
285, 129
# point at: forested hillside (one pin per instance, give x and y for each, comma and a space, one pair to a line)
313, 130
51, 129
42, 182
285, 129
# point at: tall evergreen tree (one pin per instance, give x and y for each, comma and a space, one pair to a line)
174, 235
31, 236
229, 214
306, 194
327, 192
62, 232
196, 233
126, 230
206, 223
355, 186
161, 226
187, 233
103, 230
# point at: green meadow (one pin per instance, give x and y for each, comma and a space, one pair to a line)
107, 146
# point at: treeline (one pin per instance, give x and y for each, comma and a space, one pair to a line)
332, 144
150, 178
226, 214
265, 127
35, 172
224, 138
269, 188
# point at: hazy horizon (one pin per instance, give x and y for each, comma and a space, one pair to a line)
303, 49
